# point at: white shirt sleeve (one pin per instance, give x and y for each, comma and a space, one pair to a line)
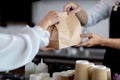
99, 12
17, 50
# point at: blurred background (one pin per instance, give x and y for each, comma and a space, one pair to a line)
19, 12
16, 14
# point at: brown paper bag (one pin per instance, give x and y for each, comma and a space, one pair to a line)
66, 33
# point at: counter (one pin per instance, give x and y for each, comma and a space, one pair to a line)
72, 54
61, 60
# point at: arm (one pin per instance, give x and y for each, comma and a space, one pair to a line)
99, 12
72, 8
101, 41
17, 50
82, 16
110, 42
92, 16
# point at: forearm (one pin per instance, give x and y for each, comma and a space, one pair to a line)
44, 24
110, 42
17, 50
82, 16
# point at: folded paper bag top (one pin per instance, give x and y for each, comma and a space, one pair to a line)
66, 33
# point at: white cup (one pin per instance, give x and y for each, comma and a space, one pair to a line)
57, 75
81, 70
65, 75
34, 77
91, 68
99, 72
50, 78
108, 73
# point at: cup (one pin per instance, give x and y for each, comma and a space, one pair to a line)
34, 77
81, 70
50, 78
108, 73
57, 75
44, 75
91, 68
71, 72
65, 75
40, 76
99, 72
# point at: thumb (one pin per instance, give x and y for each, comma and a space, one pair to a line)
86, 35
72, 12
75, 10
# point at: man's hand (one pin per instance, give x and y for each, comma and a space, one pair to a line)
92, 40
72, 8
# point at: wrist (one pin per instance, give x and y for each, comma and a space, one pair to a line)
44, 24
82, 16
80, 10
103, 41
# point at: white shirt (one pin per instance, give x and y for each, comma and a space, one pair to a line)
100, 11
17, 50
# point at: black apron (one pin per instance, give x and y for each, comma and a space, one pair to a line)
112, 56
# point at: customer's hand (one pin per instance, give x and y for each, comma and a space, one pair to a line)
47, 49
72, 8
50, 19
92, 40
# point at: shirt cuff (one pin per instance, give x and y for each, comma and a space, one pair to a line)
89, 20
41, 31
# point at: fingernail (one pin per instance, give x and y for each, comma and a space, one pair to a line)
67, 13
58, 22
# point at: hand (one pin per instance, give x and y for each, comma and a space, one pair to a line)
47, 49
92, 40
72, 8
50, 19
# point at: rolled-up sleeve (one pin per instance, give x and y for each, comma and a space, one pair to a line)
99, 12
17, 50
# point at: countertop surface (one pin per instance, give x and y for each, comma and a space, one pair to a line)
75, 53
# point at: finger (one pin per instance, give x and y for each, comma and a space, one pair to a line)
53, 13
89, 45
47, 49
81, 44
74, 11
56, 21
66, 7
86, 43
86, 35
77, 45
55, 17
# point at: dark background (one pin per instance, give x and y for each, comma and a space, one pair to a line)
16, 11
